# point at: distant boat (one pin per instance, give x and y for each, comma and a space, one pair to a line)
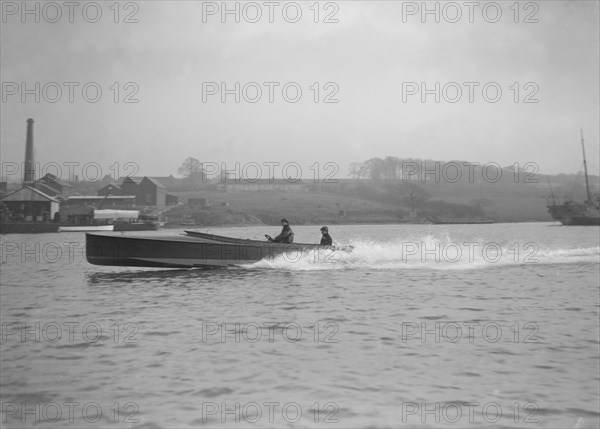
584, 213
82, 228
27, 227
100, 220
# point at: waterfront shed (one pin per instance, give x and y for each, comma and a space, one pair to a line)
32, 204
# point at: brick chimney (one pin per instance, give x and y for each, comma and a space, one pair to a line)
29, 170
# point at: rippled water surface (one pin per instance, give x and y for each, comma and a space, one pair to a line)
423, 325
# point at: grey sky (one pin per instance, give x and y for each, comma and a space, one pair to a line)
368, 54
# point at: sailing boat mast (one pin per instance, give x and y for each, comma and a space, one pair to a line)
587, 184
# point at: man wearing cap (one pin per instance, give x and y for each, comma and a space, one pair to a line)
287, 235
326, 239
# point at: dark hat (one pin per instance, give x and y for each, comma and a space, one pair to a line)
284, 220
325, 229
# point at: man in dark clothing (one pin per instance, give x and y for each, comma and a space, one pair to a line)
287, 235
326, 239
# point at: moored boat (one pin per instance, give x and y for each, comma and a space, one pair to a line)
576, 213
586, 213
27, 227
83, 228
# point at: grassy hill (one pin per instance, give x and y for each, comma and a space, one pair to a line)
270, 207
330, 205
512, 203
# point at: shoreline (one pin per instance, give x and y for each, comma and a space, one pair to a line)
240, 225
175, 227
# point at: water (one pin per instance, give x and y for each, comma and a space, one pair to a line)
418, 327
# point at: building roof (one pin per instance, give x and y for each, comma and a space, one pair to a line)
111, 185
46, 187
298, 182
100, 197
168, 181
154, 181
166, 178
129, 179
28, 193
51, 178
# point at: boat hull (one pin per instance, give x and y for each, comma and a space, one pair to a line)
28, 228
579, 221
83, 228
184, 252
575, 214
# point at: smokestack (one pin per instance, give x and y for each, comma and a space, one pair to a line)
29, 170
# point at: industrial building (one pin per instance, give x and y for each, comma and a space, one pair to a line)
50, 199
31, 204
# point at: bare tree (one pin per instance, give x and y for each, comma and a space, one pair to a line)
355, 170
192, 170
390, 167
374, 167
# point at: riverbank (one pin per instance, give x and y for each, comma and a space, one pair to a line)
314, 208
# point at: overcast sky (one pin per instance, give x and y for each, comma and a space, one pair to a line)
371, 56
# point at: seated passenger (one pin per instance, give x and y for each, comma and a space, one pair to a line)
326, 239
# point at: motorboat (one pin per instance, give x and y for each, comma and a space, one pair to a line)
195, 250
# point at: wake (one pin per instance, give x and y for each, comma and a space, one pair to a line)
429, 252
